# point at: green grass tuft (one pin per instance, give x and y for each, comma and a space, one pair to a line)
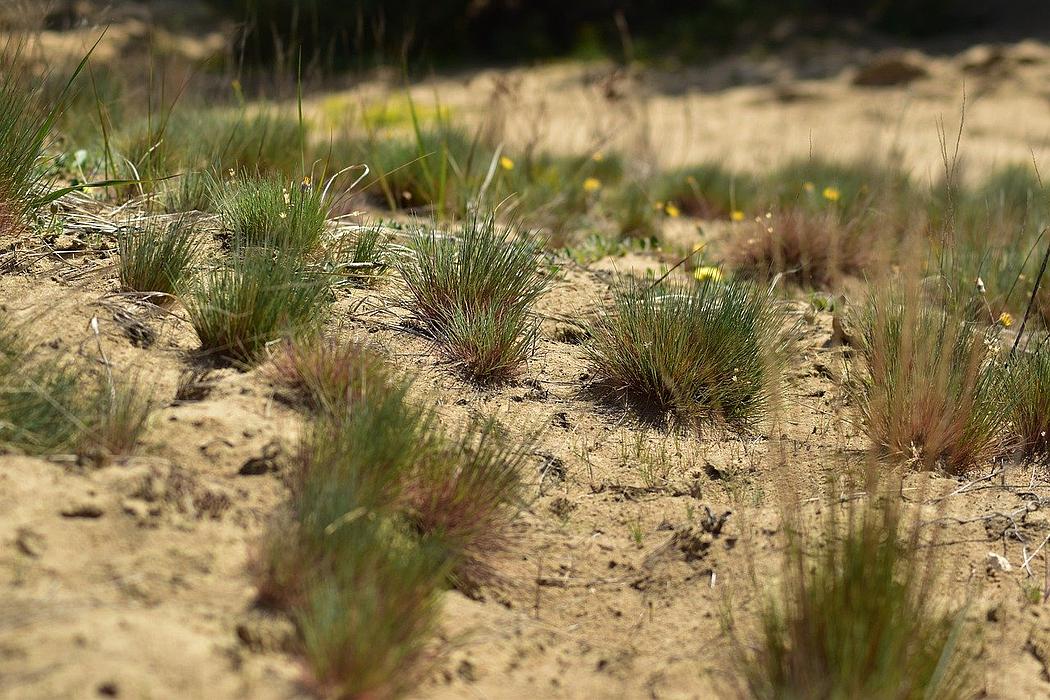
475, 293
253, 299
1028, 386
270, 212
466, 491
155, 259
712, 351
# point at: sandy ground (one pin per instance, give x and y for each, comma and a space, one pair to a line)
130, 581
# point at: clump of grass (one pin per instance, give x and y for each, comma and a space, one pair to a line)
327, 374
122, 410
1028, 386
360, 587
930, 389
858, 618
268, 211
475, 293
812, 249
712, 351
27, 116
253, 299
465, 492
50, 405
155, 259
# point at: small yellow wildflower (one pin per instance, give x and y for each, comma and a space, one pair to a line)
707, 272
737, 215
305, 184
506, 163
598, 157
671, 210
1006, 319
831, 194
592, 184
808, 186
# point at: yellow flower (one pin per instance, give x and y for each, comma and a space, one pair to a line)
598, 157
831, 194
808, 186
671, 210
737, 215
705, 273
1006, 319
506, 163
592, 184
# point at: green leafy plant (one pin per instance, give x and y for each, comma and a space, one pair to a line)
712, 351
156, 258
475, 293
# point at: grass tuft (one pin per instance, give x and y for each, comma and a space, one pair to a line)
327, 374
710, 352
253, 299
359, 585
466, 491
476, 292
270, 212
156, 259
929, 390
857, 618
1028, 386
812, 249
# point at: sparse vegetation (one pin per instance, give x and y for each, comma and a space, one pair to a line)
475, 294
707, 352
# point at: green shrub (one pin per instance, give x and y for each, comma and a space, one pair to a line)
475, 293
857, 619
255, 298
929, 389
712, 351
155, 259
